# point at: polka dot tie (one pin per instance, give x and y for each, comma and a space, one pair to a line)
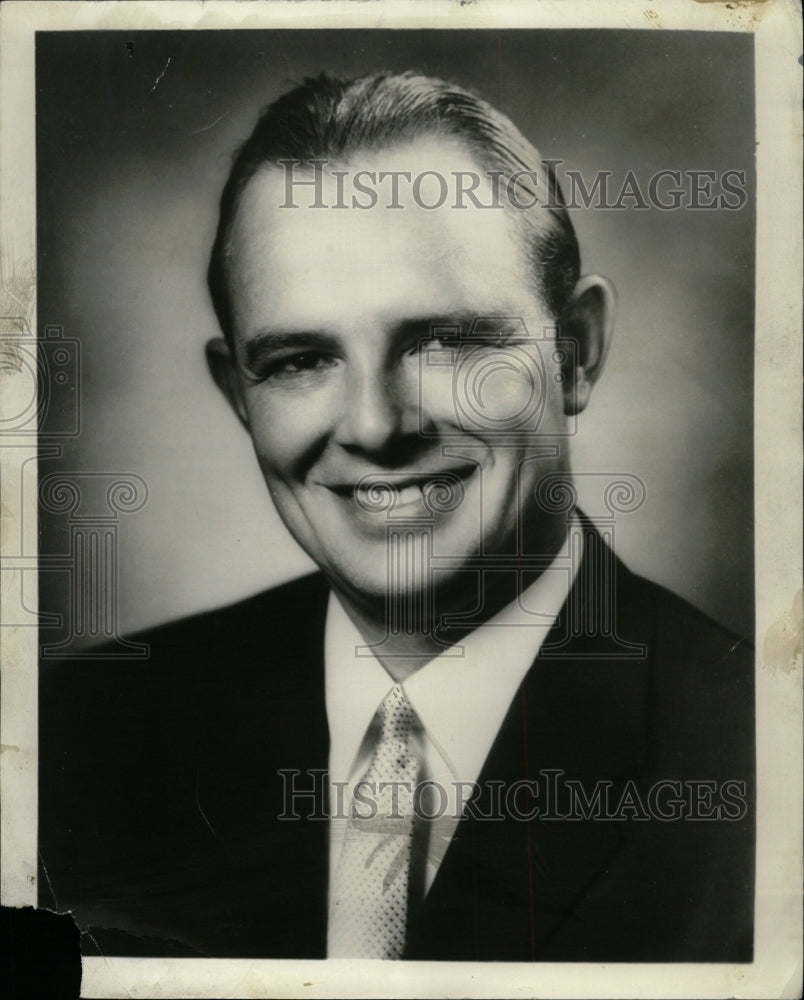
369, 903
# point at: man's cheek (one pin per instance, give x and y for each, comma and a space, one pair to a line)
436, 389
499, 394
509, 397
281, 456
482, 390
285, 431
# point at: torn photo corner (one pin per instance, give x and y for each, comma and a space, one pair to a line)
401, 462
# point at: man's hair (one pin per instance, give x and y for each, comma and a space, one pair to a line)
331, 118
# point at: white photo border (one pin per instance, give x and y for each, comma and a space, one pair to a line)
776, 970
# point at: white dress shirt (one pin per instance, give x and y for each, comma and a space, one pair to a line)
461, 698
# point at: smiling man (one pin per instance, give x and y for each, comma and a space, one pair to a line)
474, 734
354, 338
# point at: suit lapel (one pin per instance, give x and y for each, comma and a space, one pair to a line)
506, 885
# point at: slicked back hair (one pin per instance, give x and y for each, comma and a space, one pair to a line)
333, 119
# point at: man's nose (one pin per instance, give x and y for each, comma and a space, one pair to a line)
376, 411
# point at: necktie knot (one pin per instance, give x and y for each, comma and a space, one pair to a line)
396, 714
393, 758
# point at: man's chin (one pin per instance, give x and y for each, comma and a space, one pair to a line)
405, 596
381, 586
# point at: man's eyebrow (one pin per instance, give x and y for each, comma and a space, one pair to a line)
424, 325
272, 340
462, 322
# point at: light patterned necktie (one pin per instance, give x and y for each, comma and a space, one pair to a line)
369, 904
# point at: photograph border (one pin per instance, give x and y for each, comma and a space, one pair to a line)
776, 970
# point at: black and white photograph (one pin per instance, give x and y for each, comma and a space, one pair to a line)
401, 449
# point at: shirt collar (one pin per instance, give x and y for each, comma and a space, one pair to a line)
356, 683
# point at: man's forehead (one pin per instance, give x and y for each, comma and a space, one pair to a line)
379, 257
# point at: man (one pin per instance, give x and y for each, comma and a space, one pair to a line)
474, 735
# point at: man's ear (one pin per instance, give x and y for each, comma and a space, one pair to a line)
588, 323
223, 369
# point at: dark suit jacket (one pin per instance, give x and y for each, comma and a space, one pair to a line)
160, 790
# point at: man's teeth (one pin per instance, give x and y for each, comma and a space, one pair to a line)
410, 494
385, 496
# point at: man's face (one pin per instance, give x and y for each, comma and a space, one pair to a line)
345, 383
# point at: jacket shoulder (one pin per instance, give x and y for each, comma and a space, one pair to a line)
276, 612
198, 674
700, 692
263, 625
677, 624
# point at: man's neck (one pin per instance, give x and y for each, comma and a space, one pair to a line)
402, 652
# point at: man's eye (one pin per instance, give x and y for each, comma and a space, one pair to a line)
302, 363
468, 343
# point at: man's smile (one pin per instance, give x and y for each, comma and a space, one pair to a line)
422, 492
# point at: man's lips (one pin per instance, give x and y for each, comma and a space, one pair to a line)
408, 486
429, 491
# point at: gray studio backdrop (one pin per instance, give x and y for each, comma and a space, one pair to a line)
135, 133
